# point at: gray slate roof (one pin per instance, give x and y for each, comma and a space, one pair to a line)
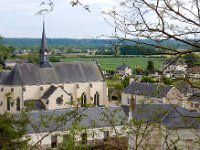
3, 74
49, 92
122, 67
35, 104
148, 89
171, 116
62, 72
89, 118
195, 97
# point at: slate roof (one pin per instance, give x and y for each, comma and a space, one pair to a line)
195, 97
3, 74
171, 116
174, 61
35, 104
90, 118
62, 72
148, 89
185, 88
49, 92
122, 67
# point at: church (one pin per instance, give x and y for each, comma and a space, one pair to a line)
51, 86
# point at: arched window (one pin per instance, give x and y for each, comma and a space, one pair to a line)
83, 100
18, 104
96, 99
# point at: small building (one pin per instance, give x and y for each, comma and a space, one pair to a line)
124, 70
174, 67
165, 127
89, 126
151, 93
193, 102
194, 72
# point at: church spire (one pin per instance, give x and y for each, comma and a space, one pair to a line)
44, 60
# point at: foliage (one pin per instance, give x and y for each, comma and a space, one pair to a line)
167, 80
150, 66
147, 79
54, 59
125, 81
13, 131
192, 59
136, 50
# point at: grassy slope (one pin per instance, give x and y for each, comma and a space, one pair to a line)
112, 63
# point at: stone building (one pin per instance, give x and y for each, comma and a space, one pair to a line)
52, 85
154, 93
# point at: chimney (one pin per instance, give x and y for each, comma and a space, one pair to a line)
132, 108
132, 104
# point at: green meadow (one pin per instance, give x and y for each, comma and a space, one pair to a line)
110, 63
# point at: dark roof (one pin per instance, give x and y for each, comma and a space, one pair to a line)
3, 74
171, 116
148, 89
195, 97
35, 104
90, 118
62, 72
122, 67
186, 88
49, 92
194, 70
174, 61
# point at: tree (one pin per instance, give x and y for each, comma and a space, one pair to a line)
147, 79
192, 59
125, 81
150, 67
156, 23
13, 131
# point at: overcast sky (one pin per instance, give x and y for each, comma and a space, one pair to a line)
18, 19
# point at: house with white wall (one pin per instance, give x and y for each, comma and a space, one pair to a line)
151, 93
124, 70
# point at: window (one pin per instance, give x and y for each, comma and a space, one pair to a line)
59, 100
96, 99
84, 138
196, 105
128, 101
90, 85
24, 89
41, 88
54, 141
83, 100
1, 89
105, 135
18, 104
8, 104
12, 89
1, 104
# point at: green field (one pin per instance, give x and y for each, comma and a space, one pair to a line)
110, 63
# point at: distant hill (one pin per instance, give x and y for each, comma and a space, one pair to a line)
86, 43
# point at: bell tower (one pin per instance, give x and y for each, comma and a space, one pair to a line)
44, 53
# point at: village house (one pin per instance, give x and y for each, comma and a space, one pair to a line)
151, 93
93, 127
162, 126
194, 72
174, 67
52, 85
124, 70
